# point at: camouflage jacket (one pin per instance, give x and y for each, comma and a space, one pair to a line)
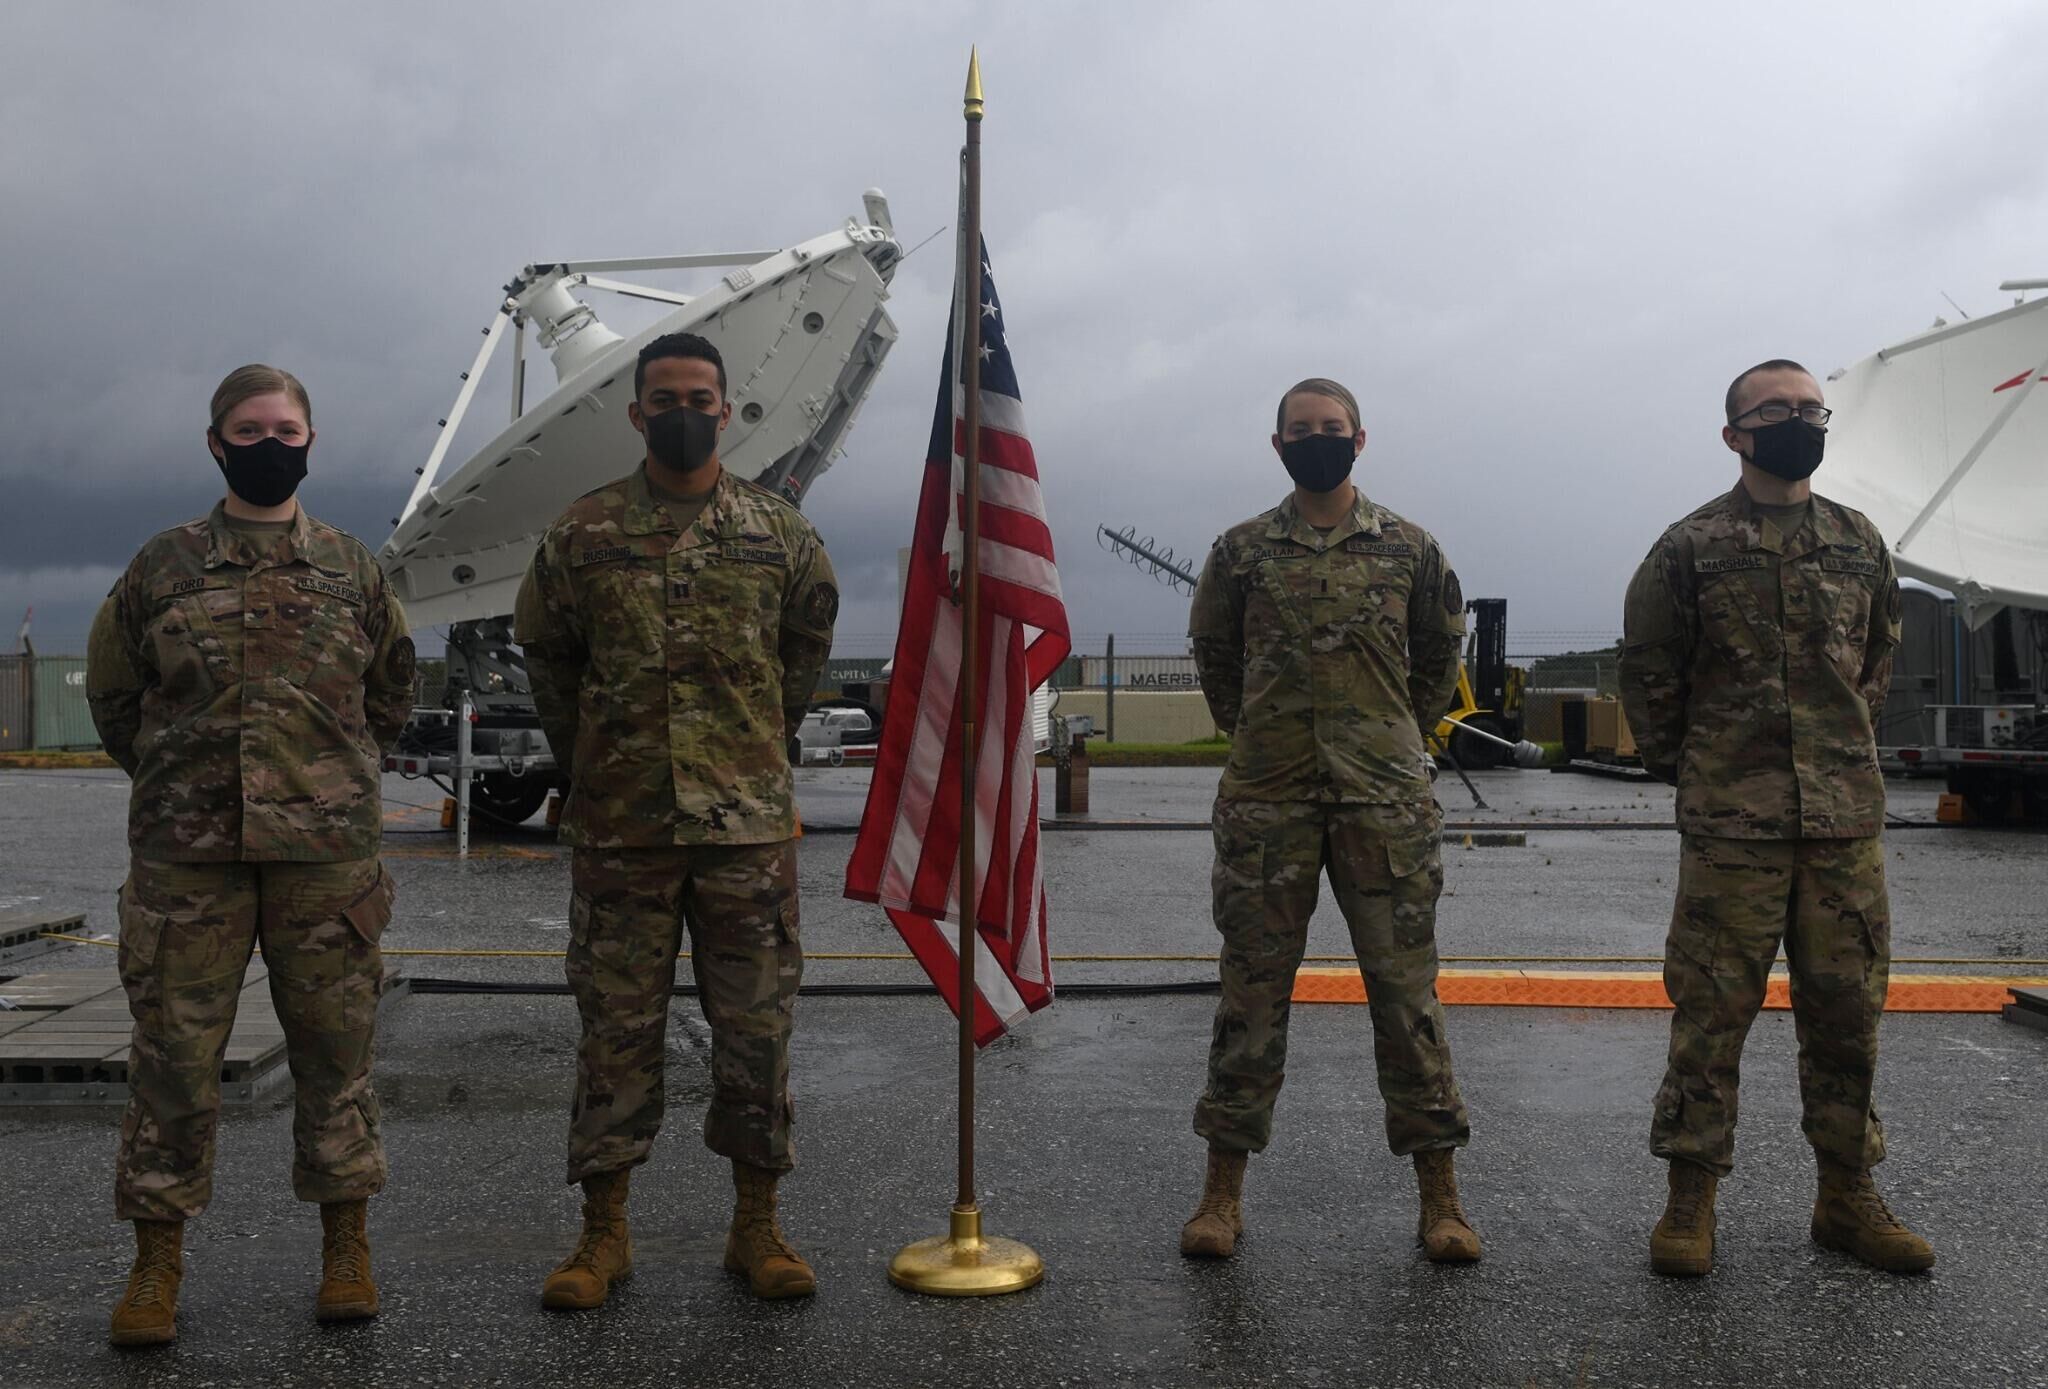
1754, 666
1327, 658
249, 696
670, 668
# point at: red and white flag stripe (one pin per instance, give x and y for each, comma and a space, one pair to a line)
906, 857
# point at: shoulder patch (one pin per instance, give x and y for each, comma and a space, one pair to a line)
404, 661
821, 608
1454, 594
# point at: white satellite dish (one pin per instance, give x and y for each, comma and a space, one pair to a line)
1942, 441
803, 334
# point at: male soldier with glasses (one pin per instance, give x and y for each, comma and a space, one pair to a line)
1758, 646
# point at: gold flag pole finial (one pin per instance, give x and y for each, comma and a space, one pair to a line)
973, 104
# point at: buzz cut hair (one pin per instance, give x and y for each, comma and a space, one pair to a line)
1735, 386
1323, 386
685, 345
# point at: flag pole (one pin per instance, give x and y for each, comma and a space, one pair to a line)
964, 1262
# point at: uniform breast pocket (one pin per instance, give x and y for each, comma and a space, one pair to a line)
1733, 618
1384, 602
1280, 593
1846, 600
622, 609
180, 637
740, 591
331, 651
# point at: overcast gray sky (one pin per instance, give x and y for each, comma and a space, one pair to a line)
1536, 241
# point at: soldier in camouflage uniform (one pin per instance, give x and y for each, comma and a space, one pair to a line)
1758, 649
675, 623
1327, 632
246, 672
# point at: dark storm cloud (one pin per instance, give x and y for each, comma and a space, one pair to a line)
1535, 242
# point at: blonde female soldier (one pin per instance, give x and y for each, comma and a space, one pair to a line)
246, 672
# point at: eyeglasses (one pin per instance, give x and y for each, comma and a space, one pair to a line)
1777, 412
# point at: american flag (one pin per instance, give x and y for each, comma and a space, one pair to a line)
908, 853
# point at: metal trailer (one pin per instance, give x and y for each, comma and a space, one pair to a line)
1994, 757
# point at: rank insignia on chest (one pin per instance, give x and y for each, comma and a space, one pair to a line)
678, 590
1724, 564
603, 554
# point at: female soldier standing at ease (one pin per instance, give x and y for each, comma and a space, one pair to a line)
1326, 631
246, 672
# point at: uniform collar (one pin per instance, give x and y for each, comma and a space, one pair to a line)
645, 515
1287, 523
1821, 529
224, 545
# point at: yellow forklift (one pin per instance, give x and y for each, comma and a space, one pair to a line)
1484, 728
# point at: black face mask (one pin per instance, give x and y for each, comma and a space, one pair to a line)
1790, 449
1319, 462
682, 438
264, 473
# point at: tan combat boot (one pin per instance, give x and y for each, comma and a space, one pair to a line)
1219, 1219
1850, 1216
756, 1246
604, 1253
147, 1314
1447, 1237
1682, 1245
347, 1292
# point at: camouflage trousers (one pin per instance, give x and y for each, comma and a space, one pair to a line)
187, 930
1386, 870
625, 928
1737, 899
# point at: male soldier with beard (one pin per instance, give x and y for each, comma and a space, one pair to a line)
1326, 632
1758, 646
675, 623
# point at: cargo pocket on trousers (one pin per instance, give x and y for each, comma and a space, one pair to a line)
363, 982
582, 964
1415, 868
1238, 885
1874, 939
142, 934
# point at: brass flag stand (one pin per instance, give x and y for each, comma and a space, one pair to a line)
964, 1262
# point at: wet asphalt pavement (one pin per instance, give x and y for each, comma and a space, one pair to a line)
1086, 1149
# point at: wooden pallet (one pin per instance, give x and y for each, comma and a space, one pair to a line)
66, 1038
